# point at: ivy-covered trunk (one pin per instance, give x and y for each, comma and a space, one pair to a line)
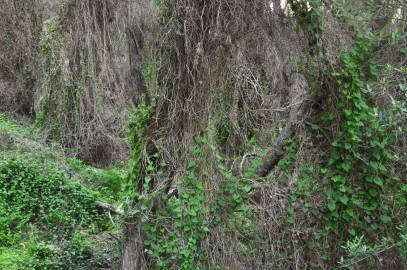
218, 178
206, 78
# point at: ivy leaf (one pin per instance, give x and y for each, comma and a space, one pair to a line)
331, 206
150, 167
372, 192
338, 179
247, 188
342, 188
191, 165
374, 165
350, 213
348, 146
324, 170
404, 187
382, 168
249, 174
373, 206
385, 218
309, 27
344, 200
346, 166
377, 155
336, 143
352, 232
333, 159
378, 181
347, 112
373, 70
192, 212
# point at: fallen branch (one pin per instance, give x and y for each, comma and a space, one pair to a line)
110, 208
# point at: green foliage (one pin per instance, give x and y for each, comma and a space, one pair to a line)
136, 129
38, 194
362, 198
41, 214
14, 259
242, 223
177, 242
359, 173
174, 233
308, 14
30, 256
223, 130
305, 190
10, 127
358, 250
33, 255
138, 120
147, 73
109, 182
290, 149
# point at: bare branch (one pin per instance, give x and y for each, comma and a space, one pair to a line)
110, 208
298, 97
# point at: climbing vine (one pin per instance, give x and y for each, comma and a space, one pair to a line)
357, 168
175, 231
136, 129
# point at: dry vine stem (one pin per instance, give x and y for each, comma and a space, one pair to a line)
92, 67
20, 28
239, 67
221, 59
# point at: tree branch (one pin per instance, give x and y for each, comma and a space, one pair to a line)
110, 208
299, 97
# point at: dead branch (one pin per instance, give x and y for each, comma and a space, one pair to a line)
110, 208
299, 97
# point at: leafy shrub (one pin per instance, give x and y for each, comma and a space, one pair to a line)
12, 259
108, 181
39, 204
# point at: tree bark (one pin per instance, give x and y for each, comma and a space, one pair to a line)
298, 103
133, 248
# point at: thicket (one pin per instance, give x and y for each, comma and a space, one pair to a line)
209, 190
45, 217
48, 204
82, 97
20, 25
265, 137
75, 74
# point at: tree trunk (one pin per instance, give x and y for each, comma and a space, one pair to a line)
132, 248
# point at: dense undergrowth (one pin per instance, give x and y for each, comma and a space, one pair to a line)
316, 90
343, 207
49, 217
